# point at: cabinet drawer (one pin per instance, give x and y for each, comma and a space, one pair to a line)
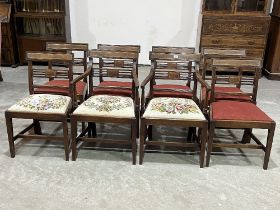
233, 41
255, 53
249, 27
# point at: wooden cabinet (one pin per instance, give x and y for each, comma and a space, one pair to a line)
272, 57
38, 22
9, 53
241, 24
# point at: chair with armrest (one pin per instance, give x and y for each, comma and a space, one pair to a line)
79, 51
110, 107
117, 63
234, 112
41, 106
178, 107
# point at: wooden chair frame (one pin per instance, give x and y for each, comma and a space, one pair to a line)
78, 60
174, 50
37, 117
90, 131
146, 124
241, 65
172, 59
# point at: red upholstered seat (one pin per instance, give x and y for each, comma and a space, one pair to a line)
114, 90
236, 110
80, 87
228, 96
166, 93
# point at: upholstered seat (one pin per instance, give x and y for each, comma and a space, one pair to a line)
80, 87
107, 106
173, 108
42, 103
235, 110
173, 93
113, 88
220, 96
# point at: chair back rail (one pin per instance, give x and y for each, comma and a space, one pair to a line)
122, 48
175, 50
174, 67
235, 73
118, 69
50, 71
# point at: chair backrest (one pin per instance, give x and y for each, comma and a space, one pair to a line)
169, 66
123, 65
78, 49
121, 48
210, 53
236, 73
175, 50
39, 74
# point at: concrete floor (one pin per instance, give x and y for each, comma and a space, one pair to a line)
39, 177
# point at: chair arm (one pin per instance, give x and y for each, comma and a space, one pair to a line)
147, 79
73, 92
204, 104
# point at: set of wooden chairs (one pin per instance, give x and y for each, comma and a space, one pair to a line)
201, 92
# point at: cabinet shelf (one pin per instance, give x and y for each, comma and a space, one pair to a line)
37, 22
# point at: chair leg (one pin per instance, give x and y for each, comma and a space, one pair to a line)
37, 127
246, 137
209, 143
1, 78
268, 147
150, 132
66, 140
9, 124
133, 141
142, 142
74, 138
91, 129
203, 137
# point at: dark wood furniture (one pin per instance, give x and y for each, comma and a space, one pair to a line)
41, 107
38, 22
235, 113
9, 53
175, 107
179, 50
206, 70
80, 51
1, 77
272, 57
110, 107
235, 24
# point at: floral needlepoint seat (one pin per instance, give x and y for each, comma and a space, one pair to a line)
107, 106
173, 108
42, 103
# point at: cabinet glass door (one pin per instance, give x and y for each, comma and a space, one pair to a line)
251, 5
218, 5
39, 5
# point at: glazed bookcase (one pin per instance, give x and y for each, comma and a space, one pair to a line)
38, 22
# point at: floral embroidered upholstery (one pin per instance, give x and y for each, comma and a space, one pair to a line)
173, 108
107, 105
42, 103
